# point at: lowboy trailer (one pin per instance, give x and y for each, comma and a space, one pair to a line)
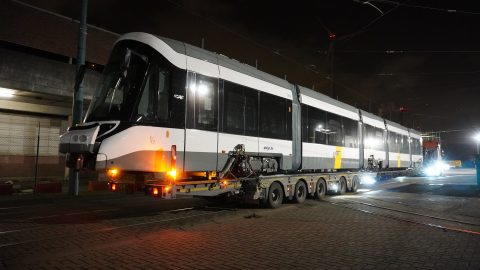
270, 190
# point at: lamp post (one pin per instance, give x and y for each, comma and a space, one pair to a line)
78, 93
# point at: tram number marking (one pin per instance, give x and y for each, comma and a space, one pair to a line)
268, 148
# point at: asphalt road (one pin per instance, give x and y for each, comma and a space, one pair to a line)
403, 223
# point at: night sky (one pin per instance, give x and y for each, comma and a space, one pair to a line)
421, 55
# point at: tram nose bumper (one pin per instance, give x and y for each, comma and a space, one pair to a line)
79, 146
79, 140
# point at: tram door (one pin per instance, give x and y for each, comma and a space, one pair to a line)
201, 134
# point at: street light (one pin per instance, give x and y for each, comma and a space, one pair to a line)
477, 140
6, 93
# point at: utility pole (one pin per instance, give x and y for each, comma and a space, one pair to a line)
403, 110
78, 93
331, 62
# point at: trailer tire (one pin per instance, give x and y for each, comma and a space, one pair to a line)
355, 183
343, 186
321, 189
275, 195
300, 192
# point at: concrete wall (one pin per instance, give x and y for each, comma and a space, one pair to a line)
58, 35
25, 72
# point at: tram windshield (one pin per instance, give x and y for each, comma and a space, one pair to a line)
120, 86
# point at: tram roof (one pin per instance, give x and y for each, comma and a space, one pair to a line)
222, 60
316, 95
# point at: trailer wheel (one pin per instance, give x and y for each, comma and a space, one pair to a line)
321, 189
343, 186
300, 192
275, 195
354, 187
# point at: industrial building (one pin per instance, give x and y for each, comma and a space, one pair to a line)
37, 72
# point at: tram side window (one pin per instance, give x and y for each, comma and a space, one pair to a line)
401, 143
416, 149
272, 116
251, 112
393, 142
304, 123
374, 138
145, 110
153, 103
335, 130
240, 110
317, 129
379, 138
289, 108
205, 95
405, 147
178, 98
413, 146
162, 91
233, 109
350, 128
370, 141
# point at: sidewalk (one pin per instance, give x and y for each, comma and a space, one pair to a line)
27, 195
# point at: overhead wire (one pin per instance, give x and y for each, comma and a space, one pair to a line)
342, 38
407, 51
276, 52
367, 26
260, 45
427, 7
